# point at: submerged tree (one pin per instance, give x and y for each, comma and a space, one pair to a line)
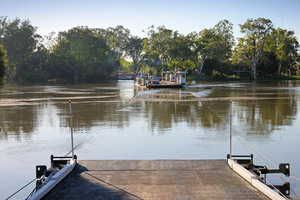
252, 44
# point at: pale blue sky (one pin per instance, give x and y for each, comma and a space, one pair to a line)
137, 15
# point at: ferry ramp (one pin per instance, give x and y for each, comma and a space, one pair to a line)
154, 179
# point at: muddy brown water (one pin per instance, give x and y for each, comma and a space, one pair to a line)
121, 121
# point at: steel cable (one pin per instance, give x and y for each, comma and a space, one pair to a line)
20, 189
249, 145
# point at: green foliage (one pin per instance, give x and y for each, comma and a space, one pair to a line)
3, 64
268, 63
20, 40
117, 40
251, 45
82, 54
217, 76
134, 49
126, 66
215, 43
33, 67
284, 45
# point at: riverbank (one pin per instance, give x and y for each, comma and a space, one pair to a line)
224, 77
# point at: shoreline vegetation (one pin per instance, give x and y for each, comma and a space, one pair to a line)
93, 55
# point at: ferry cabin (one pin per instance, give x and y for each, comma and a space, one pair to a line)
178, 77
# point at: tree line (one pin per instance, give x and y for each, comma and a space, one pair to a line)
84, 54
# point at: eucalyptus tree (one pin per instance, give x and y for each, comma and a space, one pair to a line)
50, 41
117, 40
202, 46
179, 51
3, 64
251, 45
285, 45
215, 43
159, 43
20, 40
223, 32
84, 51
134, 49
194, 54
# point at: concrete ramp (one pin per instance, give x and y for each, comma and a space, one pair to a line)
154, 179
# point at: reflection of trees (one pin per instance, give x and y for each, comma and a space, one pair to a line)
92, 114
164, 115
264, 116
162, 110
17, 121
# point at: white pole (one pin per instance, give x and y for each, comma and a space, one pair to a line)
230, 128
71, 129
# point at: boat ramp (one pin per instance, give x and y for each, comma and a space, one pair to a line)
154, 179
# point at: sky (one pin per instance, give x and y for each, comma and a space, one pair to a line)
184, 16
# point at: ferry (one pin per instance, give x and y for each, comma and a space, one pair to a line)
169, 79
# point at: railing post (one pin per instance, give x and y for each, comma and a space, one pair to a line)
230, 118
71, 129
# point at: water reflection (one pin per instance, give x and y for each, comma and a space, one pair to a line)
260, 109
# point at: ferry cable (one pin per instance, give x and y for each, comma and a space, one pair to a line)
290, 187
259, 154
234, 130
124, 106
128, 103
20, 189
295, 178
276, 189
131, 100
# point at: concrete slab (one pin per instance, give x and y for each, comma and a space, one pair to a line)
154, 179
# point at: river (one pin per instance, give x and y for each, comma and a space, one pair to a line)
121, 121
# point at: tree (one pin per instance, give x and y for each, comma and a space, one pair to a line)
223, 32
158, 44
34, 68
84, 53
285, 45
134, 49
19, 39
252, 44
194, 54
3, 64
50, 41
117, 40
215, 43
